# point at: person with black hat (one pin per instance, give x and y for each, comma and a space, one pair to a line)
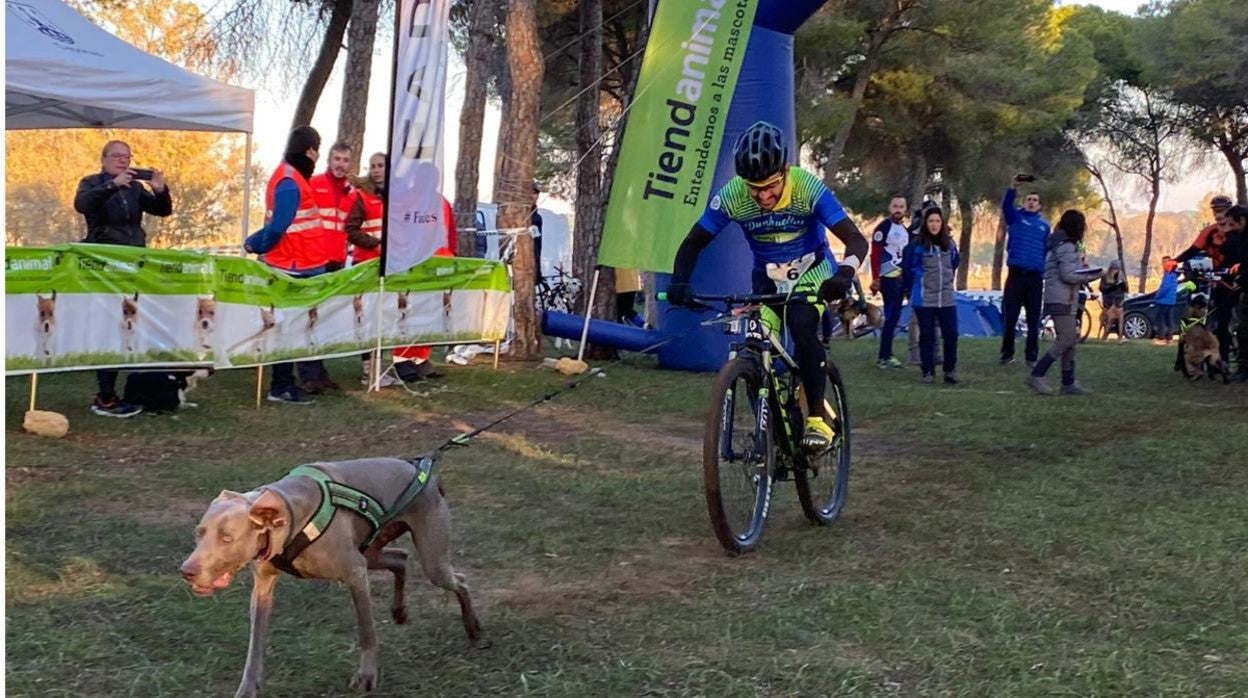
291, 240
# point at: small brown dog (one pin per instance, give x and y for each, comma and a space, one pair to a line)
205, 321
130, 323
849, 310
1111, 321
1201, 349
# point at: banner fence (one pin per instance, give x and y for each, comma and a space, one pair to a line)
81, 306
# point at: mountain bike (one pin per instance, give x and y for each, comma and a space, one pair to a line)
754, 428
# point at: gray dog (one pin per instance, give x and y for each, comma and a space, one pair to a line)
272, 524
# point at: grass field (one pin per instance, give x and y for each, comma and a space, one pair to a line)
994, 543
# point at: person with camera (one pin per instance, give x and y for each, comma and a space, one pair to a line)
113, 202
1027, 233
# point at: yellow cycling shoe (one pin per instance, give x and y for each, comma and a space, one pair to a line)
819, 434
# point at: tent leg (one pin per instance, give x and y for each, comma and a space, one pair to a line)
246, 194
374, 381
589, 311
259, 384
498, 348
34, 388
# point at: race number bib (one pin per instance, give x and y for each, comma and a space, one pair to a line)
786, 274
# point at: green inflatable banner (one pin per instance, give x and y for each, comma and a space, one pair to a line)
675, 126
79, 306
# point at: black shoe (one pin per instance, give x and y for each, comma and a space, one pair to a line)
951, 378
113, 407
1240, 377
1007, 360
290, 396
409, 372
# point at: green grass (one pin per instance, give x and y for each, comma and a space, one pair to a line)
993, 544
106, 358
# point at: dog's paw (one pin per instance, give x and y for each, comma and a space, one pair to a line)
399, 614
364, 680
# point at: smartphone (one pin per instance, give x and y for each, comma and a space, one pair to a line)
142, 175
1025, 177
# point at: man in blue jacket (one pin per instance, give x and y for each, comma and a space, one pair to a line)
1026, 234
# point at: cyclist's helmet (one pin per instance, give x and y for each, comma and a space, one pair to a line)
1221, 201
760, 152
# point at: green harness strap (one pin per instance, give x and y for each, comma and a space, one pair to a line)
335, 496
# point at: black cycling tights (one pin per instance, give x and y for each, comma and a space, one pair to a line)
803, 323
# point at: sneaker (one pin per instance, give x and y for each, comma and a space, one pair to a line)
929, 378
915, 361
819, 435
319, 386
1240, 377
409, 372
1007, 360
951, 378
385, 381
114, 407
1075, 389
890, 362
1038, 386
290, 396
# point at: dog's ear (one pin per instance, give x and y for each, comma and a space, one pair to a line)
229, 494
268, 511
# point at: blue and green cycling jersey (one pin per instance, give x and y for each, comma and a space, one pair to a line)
794, 228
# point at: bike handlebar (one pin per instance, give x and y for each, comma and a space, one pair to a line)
750, 299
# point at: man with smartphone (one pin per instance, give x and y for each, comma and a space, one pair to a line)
1027, 233
113, 202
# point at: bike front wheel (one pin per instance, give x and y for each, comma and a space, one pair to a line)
823, 480
1084, 323
738, 455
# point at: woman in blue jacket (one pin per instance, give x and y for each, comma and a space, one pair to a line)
930, 265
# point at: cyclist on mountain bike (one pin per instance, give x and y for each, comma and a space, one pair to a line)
782, 210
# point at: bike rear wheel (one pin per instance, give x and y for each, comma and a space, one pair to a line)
823, 480
738, 455
1084, 322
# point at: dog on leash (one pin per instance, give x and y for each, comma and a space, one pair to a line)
1201, 350
130, 323
849, 309
47, 322
258, 528
1111, 321
205, 321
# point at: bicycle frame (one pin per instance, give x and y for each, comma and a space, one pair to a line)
777, 392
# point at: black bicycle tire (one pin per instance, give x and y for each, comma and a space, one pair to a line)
829, 508
1085, 320
732, 542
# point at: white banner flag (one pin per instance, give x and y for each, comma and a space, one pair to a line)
414, 226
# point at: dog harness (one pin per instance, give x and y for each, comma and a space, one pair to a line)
335, 496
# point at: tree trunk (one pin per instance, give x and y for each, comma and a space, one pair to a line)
998, 255
1236, 161
918, 177
360, 35
877, 36
1113, 212
524, 60
1155, 183
967, 211
588, 233
331, 44
471, 125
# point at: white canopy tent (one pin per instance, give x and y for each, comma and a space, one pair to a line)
63, 71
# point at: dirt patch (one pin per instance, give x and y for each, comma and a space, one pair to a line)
163, 510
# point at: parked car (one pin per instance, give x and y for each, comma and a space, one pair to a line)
1140, 315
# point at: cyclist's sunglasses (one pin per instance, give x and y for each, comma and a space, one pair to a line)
759, 187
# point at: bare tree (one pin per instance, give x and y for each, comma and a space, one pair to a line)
519, 135
361, 33
966, 210
1112, 221
471, 122
998, 254
1145, 131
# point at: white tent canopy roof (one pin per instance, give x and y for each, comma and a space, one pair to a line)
62, 71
